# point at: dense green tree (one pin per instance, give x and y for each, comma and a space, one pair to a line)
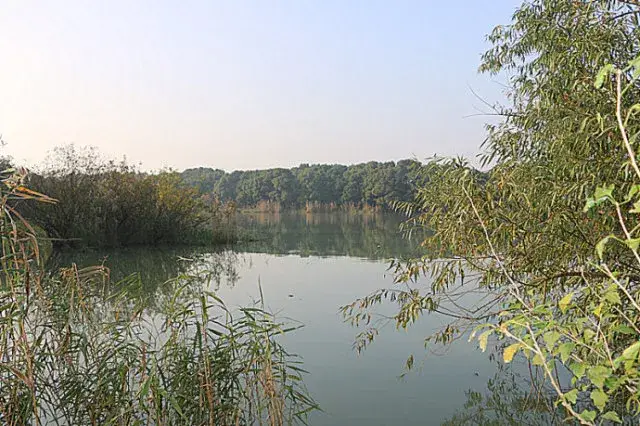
520, 233
203, 179
354, 185
373, 183
225, 188
285, 187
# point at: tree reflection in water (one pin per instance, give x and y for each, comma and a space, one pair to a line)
516, 395
151, 273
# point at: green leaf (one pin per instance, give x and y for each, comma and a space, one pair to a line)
624, 329
636, 207
565, 350
571, 396
602, 74
578, 369
588, 415
611, 295
174, 403
550, 338
176, 406
589, 204
583, 125
612, 415
604, 193
599, 399
538, 360
601, 244
564, 302
598, 374
510, 351
632, 192
588, 334
144, 390
635, 66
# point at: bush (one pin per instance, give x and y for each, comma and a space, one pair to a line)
104, 203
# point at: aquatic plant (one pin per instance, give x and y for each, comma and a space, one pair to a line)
74, 351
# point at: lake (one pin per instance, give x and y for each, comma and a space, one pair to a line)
307, 267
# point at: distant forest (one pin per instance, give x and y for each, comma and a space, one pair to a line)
368, 184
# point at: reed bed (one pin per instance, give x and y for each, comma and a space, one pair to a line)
74, 350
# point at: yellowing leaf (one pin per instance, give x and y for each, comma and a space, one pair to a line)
510, 351
538, 360
564, 302
633, 243
632, 351
482, 340
598, 310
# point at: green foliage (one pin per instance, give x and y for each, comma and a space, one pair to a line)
371, 184
562, 280
103, 203
74, 351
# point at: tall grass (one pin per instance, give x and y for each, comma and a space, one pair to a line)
103, 203
75, 351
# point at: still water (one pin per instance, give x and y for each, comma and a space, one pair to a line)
307, 267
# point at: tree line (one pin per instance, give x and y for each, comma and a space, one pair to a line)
106, 203
366, 184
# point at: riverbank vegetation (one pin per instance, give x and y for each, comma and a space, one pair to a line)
316, 187
550, 233
104, 203
78, 349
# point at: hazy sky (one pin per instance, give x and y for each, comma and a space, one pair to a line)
245, 84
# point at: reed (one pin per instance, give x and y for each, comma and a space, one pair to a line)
76, 349
103, 203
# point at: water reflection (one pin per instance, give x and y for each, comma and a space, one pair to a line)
150, 273
516, 395
325, 261
364, 235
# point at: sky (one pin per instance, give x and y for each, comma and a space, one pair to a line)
246, 84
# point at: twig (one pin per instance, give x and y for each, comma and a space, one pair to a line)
623, 131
